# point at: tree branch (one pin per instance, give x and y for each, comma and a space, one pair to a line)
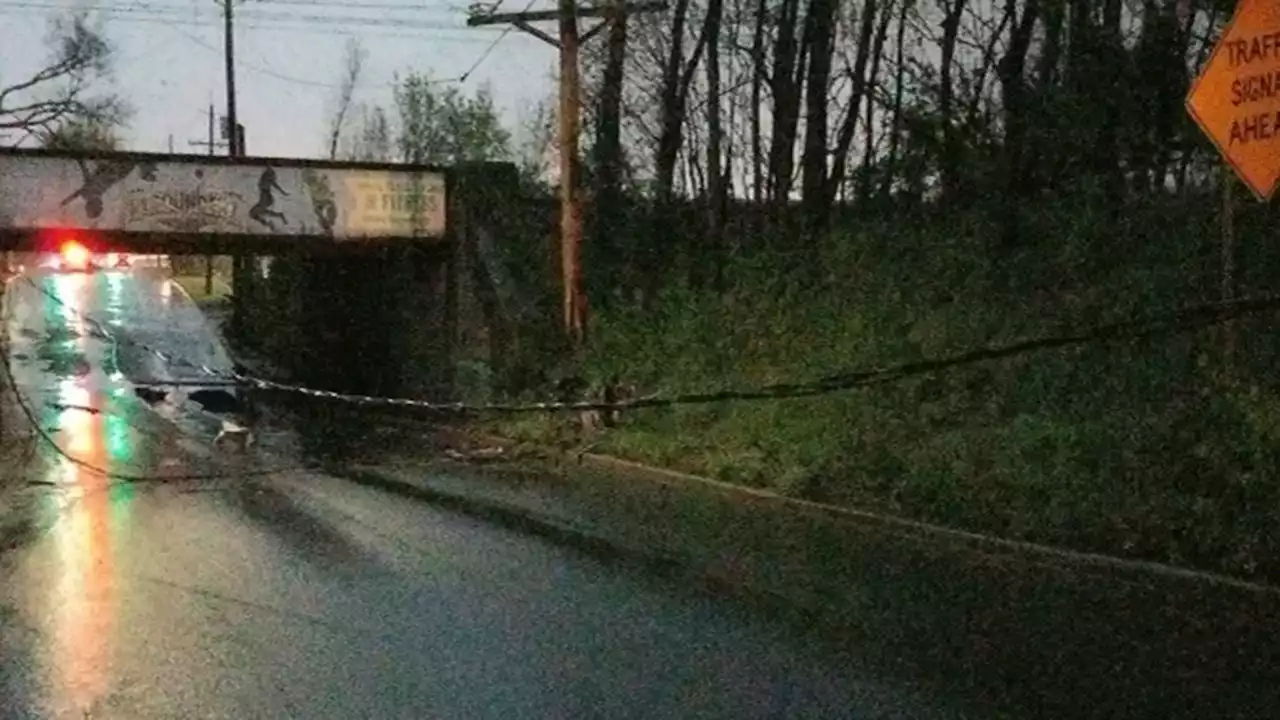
78, 53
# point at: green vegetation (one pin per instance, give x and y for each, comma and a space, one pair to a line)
190, 271
195, 287
1146, 449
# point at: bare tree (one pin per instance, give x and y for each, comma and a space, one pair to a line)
533, 140
61, 91
717, 189
373, 136
83, 134
353, 64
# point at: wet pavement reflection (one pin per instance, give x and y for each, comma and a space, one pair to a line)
301, 595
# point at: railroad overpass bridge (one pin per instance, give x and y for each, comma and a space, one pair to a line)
369, 277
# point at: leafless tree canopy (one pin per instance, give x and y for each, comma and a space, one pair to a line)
824, 104
63, 91
352, 66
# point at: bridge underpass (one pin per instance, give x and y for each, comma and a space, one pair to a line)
357, 293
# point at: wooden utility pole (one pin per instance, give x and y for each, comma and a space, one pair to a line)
569, 41
229, 59
241, 275
575, 300
211, 143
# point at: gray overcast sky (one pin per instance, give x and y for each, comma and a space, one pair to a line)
290, 57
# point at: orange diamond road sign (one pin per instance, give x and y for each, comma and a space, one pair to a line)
1236, 100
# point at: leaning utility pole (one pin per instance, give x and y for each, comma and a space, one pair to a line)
569, 42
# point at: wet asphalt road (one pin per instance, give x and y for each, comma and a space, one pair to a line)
297, 595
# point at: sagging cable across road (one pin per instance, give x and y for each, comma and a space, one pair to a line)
116, 477
1188, 319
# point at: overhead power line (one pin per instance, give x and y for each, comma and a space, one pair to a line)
331, 4
190, 9
144, 12
501, 36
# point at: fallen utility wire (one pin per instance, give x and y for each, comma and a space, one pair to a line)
43, 435
119, 477
1176, 322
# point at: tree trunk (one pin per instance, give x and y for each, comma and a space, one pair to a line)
757, 85
865, 183
672, 107
608, 161
867, 48
899, 72
713, 250
675, 92
819, 31
950, 161
675, 95
786, 104
1013, 86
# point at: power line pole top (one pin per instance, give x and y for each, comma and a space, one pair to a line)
479, 18
568, 42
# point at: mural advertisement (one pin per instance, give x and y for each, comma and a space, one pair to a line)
186, 197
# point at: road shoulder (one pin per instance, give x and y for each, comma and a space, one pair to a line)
1022, 627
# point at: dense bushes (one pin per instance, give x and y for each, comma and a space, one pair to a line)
1143, 448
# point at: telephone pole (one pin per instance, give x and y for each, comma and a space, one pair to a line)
229, 58
569, 42
211, 143
241, 277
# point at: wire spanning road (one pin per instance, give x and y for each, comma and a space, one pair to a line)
300, 595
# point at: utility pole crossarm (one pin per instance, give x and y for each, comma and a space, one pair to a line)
568, 42
604, 11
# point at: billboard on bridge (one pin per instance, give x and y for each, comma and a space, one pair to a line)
197, 195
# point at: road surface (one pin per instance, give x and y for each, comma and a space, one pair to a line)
216, 594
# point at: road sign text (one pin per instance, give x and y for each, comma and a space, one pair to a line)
1250, 50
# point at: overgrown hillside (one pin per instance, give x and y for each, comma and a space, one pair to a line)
1146, 448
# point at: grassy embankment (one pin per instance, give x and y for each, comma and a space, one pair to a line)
1149, 449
